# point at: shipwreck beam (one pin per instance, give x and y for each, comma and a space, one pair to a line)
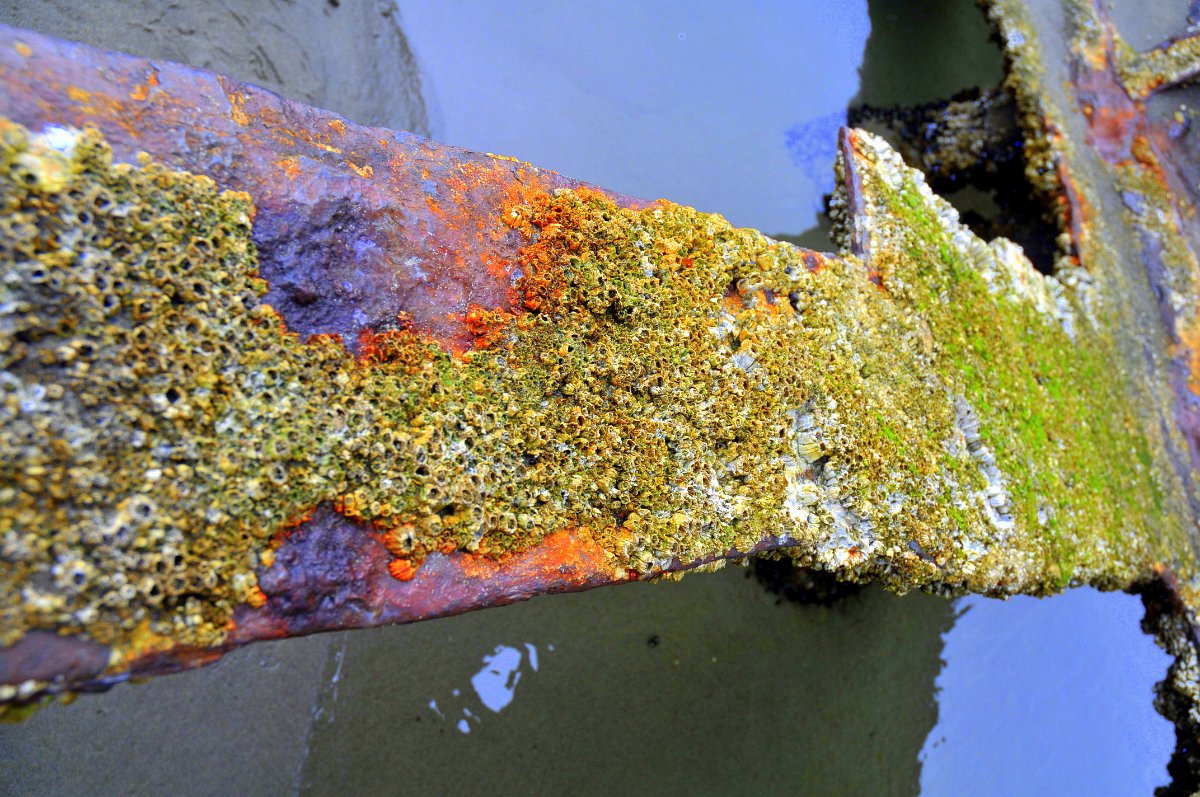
289, 374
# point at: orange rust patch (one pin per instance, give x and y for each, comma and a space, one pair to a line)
257, 598
23, 49
554, 554
408, 349
78, 95
770, 307
497, 266
142, 90
472, 184
1108, 123
290, 166
1074, 209
338, 126
543, 284
311, 138
488, 326
365, 171
516, 218
814, 262
1143, 152
236, 101
434, 207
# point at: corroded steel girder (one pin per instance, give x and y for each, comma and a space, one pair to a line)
1107, 144
394, 380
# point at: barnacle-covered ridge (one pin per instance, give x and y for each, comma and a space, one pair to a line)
933, 413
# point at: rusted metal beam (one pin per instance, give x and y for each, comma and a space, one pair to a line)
1172, 63
1123, 175
358, 231
463, 381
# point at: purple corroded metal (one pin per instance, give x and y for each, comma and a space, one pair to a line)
332, 573
356, 225
46, 656
1123, 135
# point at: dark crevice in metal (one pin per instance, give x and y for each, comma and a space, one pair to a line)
802, 585
970, 149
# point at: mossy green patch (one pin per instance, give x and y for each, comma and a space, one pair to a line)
1063, 421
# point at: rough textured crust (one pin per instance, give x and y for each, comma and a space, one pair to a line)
670, 386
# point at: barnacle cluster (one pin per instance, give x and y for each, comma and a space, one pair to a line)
133, 363
966, 139
674, 386
1173, 62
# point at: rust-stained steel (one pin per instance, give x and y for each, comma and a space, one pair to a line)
341, 207
938, 414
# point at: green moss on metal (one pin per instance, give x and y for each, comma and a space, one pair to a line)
1066, 428
677, 387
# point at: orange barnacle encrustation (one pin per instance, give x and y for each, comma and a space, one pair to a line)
403, 347
257, 598
400, 540
402, 569
488, 326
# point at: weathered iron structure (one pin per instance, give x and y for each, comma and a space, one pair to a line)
283, 373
